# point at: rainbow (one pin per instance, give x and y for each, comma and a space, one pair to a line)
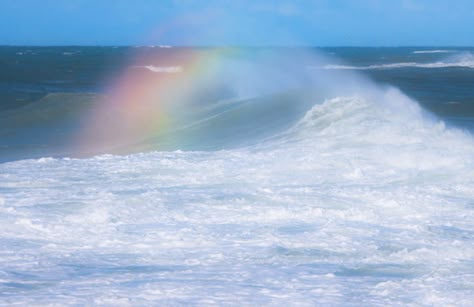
147, 100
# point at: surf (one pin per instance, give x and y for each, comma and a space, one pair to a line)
265, 177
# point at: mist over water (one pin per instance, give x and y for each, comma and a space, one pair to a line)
273, 181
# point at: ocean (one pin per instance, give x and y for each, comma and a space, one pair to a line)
236, 176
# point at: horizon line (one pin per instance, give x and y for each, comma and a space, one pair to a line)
164, 46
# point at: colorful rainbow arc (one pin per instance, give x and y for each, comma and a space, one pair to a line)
147, 99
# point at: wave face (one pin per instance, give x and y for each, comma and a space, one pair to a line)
336, 194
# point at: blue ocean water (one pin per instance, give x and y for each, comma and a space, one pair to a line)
334, 176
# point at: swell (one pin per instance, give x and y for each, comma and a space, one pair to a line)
47, 127
375, 116
51, 108
50, 126
236, 124
44, 127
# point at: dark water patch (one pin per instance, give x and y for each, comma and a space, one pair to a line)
382, 271
43, 128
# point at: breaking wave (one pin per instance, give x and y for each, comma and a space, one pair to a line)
239, 105
465, 60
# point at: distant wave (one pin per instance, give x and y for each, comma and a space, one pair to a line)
467, 63
368, 67
162, 69
402, 65
465, 60
152, 46
433, 51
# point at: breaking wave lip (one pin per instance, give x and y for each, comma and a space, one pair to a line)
162, 69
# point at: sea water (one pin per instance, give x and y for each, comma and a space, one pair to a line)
356, 189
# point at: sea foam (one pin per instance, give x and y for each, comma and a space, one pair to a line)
162, 69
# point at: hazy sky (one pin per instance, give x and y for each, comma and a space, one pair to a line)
237, 22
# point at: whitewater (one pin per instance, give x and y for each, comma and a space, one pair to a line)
459, 60
358, 196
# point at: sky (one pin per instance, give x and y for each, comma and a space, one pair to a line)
238, 22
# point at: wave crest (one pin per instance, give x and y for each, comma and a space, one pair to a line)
162, 69
464, 60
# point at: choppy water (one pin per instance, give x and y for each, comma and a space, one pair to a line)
334, 189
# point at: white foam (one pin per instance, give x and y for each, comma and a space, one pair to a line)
433, 51
163, 69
